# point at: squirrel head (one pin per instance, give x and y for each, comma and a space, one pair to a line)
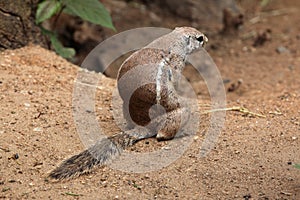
193, 39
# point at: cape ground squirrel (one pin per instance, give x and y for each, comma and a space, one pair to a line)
162, 60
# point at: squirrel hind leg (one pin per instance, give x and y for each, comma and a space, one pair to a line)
171, 123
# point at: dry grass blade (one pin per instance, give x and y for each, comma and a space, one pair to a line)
236, 108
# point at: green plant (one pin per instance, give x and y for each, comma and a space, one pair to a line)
297, 166
263, 3
89, 10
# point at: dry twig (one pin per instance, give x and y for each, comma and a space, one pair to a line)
235, 108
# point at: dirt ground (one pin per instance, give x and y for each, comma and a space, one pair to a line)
252, 159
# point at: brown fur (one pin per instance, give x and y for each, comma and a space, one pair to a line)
168, 54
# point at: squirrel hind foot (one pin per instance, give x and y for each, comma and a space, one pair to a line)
162, 136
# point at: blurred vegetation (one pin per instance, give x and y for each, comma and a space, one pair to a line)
263, 3
89, 10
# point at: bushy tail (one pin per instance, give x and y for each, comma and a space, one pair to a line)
97, 155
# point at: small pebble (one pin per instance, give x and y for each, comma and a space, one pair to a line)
37, 129
282, 49
27, 105
166, 148
291, 67
16, 156
247, 196
245, 48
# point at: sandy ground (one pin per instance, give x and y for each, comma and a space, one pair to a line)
252, 159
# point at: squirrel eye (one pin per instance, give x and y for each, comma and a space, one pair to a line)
200, 39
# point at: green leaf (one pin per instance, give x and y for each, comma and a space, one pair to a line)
297, 166
46, 9
64, 52
90, 10
263, 3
